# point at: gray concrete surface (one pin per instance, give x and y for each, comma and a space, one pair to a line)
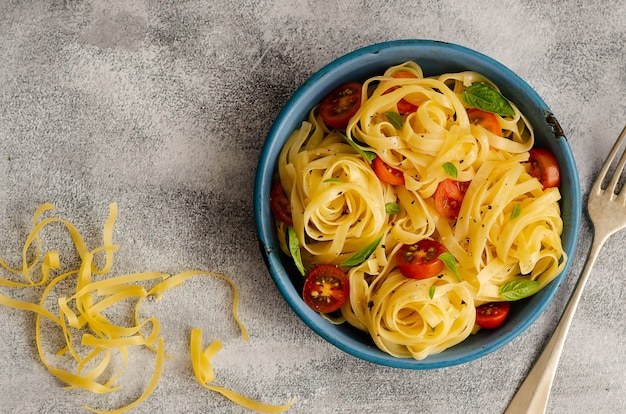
163, 107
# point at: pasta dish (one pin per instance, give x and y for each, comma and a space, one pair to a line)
419, 208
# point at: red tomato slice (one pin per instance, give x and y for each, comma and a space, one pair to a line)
545, 167
420, 260
404, 106
387, 173
403, 75
326, 288
280, 205
486, 120
449, 197
341, 104
491, 315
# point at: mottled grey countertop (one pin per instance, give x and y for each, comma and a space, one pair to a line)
163, 107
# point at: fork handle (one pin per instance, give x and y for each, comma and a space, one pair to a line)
532, 396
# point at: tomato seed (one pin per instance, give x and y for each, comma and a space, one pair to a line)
430, 254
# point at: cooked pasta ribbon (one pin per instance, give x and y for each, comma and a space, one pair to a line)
508, 227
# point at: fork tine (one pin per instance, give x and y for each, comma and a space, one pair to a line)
617, 174
597, 187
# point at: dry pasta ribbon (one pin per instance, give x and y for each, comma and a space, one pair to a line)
92, 339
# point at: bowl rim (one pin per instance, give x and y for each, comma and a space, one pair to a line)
266, 230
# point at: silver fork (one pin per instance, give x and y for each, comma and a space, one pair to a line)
607, 209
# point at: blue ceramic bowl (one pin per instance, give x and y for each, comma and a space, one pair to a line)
434, 58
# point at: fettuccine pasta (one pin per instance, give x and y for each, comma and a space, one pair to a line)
85, 315
508, 226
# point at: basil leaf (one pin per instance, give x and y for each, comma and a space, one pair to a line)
482, 96
395, 119
450, 169
450, 262
294, 249
333, 180
362, 255
518, 289
392, 208
368, 155
431, 291
517, 210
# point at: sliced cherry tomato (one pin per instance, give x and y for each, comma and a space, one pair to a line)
420, 260
491, 315
387, 173
449, 197
403, 75
280, 205
485, 119
341, 104
545, 167
326, 288
404, 106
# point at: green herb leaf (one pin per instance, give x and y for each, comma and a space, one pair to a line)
450, 169
333, 180
392, 208
368, 155
485, 97
362, 255
395, 119
450, 262
518, 289
431, 291
294, 249
517, 210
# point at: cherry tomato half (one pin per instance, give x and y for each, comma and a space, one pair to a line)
341, 104
387, 173
280, 205
404, 106
449, 197
326, 288
491, 315
486, 120
544, 167
420, 260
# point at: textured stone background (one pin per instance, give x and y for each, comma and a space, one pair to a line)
163, 106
